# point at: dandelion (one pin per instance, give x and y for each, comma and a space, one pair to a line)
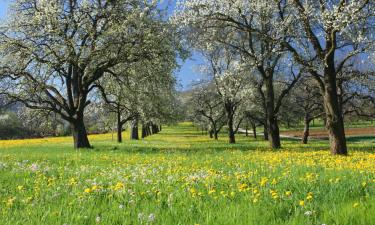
20, 188
97, 219
119, 186
87, 190
121, 206
288, 193
302, 203
355, 205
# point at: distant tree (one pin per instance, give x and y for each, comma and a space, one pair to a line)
207, 103
308, 100
252, 30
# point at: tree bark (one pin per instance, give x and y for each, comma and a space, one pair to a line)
211, 133
230, 122
273, 127
254, 130
265, 132
246, 132
119, 127
274, 133
144, 134
134, 130
215, 135
232, 138
334, 119
80, 134
306, 130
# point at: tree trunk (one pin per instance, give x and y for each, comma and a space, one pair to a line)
230, 122
119, 132
334, 119
144, 134
254, 130
232, 138
134, 130
80, 134
119, 127
246, 132
215, 134
274, 133
211, 133
306, 130
265, 132
160, 128
273, 127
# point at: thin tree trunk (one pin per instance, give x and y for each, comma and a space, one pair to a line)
232, 138
144, 134
246, 132
134, 130
119, 126
254, 130
306, 130
80, 134
265, 132
211, 133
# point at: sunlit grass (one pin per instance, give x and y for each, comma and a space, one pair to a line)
182, 177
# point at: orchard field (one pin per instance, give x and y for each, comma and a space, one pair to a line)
182, 177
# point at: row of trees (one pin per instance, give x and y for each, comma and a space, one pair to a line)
271, 45
58, 56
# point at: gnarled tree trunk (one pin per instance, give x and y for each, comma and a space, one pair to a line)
79, 134
273, 127
334, 118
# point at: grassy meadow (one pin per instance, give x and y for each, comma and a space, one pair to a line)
182, 177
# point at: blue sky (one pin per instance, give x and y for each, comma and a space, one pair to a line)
186, 73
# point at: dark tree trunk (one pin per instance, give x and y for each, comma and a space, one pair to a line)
119, 127
160, 128
273, 127
254, 130
306, 130
265, 132
246, 132
144, 134
274, 133
334, 119
211, 133
230, 122
80, 134
232, 138
134, 130
215, 135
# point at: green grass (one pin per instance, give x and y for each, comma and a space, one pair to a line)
182, 177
